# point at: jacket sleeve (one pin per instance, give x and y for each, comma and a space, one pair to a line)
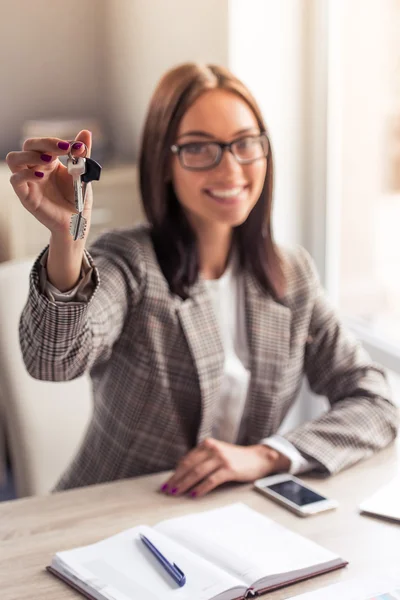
83, 290
362, 418
60, 341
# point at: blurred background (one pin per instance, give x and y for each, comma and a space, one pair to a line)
326, 74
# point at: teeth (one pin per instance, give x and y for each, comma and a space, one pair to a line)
226, 193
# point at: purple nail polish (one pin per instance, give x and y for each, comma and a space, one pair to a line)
193, 494
39, 174
45, 157
174, 491
63, 145
164, 487
77, 145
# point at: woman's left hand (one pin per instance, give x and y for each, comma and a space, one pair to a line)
214, 462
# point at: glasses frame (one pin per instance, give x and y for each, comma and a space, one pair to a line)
222, 146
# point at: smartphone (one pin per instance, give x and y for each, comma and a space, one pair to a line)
294, 495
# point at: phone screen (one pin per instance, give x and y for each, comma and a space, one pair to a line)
296, 493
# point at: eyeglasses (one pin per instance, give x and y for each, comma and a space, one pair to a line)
199, 156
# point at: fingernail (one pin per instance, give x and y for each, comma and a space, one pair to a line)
77, 145
164, 487
39, 174
174, 491
45, 157
63, 145
193, 494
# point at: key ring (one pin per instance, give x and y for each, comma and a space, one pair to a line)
71, 142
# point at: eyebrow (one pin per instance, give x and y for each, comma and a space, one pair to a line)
209, 136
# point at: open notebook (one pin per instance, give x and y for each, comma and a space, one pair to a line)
227, 553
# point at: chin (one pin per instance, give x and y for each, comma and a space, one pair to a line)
235, 222
225, 216
234, 219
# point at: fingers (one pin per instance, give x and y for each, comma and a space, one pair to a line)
194, 458
20, 181
85, 136
44, 152
50, 145
29, 159
195, 475
202, 469
58, 147
208, 484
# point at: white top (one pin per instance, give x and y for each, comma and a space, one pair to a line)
227, 295
228, 298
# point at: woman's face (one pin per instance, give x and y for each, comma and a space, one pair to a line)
224, 194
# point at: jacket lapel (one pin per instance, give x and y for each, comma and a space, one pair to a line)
198, 320
268, 329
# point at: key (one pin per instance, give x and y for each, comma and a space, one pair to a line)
92, 173
77, 168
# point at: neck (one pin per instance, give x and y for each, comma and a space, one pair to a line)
214, 244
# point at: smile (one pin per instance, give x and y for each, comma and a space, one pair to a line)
227, 193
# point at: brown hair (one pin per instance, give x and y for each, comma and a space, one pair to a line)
173, 238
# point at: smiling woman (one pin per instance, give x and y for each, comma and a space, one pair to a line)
196, 329
218, 190
201, 113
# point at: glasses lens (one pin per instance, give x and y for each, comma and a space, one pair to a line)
250, 148
199, 155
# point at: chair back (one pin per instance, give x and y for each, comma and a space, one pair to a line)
44, 422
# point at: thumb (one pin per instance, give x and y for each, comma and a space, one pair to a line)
84, 136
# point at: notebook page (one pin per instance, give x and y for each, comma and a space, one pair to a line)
385, 502
245, 543
367, 588
122, 568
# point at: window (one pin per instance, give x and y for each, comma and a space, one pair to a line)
363, 171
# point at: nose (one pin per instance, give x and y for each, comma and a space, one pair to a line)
229, 163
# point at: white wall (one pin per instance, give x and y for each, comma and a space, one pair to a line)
147, 37
51, 58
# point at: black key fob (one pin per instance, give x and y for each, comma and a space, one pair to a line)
93, 171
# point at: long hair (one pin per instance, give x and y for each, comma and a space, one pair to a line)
173, 237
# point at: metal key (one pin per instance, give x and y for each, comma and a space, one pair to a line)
77, 168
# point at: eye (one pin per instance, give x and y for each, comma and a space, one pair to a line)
196, 148
246, 143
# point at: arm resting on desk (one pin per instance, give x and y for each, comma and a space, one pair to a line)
362, 418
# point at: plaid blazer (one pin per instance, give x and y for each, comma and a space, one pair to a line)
156, 363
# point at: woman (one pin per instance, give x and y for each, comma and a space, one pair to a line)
196, 329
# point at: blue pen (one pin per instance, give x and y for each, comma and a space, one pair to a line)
172, 569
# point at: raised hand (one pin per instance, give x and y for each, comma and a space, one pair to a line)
42, 182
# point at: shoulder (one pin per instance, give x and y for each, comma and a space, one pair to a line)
131, 245
302, 280
129, 248
123, 239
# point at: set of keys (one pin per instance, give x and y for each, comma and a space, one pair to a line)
82, 170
